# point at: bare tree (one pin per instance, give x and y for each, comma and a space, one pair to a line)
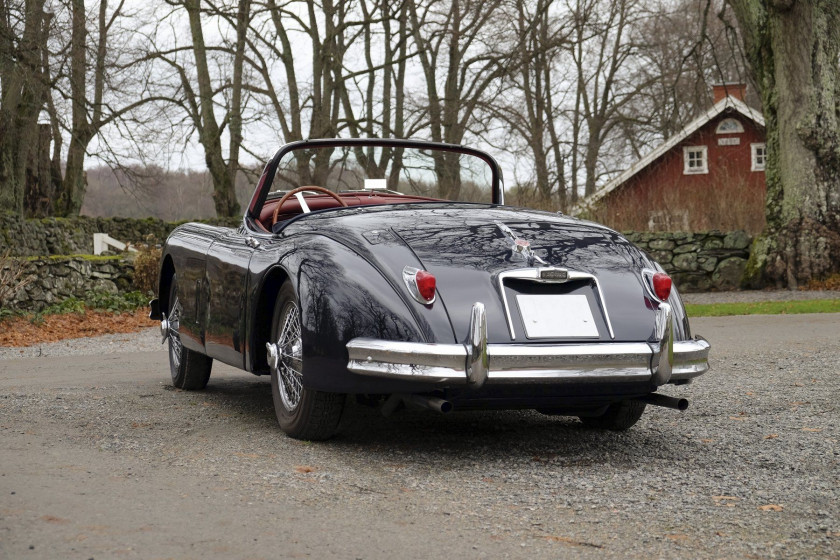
199, 90
463, 54
533, 110
604, 52
378, 108
313, 102
105, 84
793, 48
683, 52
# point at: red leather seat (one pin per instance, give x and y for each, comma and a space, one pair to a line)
291, 207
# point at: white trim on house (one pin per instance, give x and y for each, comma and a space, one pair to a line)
718, 108
755, 165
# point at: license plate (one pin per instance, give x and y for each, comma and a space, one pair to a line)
556, 316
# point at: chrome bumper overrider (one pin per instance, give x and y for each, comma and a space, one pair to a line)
476, 362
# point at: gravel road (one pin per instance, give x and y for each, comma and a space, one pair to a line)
102, 458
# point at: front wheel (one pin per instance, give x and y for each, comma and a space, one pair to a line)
190, 370
619, 416
302, 413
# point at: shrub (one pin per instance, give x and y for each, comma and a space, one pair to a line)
147, 267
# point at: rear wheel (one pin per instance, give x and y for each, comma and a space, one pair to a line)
190, 370
619, 416
302, 413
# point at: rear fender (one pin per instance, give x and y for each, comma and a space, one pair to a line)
342, 296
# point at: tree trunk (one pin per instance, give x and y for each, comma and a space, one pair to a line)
39, 185
23, 91
593, 150
224, 194
793, 48
74, 184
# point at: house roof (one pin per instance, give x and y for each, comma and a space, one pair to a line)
717, 109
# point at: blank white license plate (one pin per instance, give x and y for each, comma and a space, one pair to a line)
556, 316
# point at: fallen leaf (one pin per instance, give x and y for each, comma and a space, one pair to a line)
811, 429
567, 540
737, 417
725, 501
678, 537
53, 519
771, 436
749, 393
304, 469
771, 507
707, 440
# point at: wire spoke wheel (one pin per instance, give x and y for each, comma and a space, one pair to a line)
302, 412
175, 346
289, 344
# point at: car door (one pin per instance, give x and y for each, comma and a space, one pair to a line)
227, 277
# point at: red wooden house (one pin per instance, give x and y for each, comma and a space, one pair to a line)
708, 176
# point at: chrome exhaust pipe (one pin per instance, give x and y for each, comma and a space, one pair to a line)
663, 400
432, 403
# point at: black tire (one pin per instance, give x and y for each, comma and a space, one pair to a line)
302, 413
190, 370
619, 416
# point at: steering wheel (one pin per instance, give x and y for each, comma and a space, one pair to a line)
293, 192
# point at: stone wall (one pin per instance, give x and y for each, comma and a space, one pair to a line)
699, 262
54, 279
74, 236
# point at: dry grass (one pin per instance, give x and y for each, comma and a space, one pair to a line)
830, 283
684, 209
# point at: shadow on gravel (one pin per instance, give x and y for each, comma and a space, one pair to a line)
422, 436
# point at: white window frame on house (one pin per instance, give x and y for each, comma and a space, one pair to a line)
704, 160
729, 126
755, 157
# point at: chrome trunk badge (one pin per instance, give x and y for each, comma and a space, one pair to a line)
554, 274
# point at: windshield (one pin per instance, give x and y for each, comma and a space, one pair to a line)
407, 168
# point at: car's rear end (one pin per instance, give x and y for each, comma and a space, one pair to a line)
543, 311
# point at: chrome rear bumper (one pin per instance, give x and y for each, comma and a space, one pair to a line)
476, 362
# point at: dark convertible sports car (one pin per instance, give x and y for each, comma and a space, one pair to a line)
391, 270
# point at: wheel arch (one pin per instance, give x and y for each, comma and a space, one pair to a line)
263, 316
167, 273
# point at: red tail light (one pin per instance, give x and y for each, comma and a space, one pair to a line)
420, 283
662, 285
425, 284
